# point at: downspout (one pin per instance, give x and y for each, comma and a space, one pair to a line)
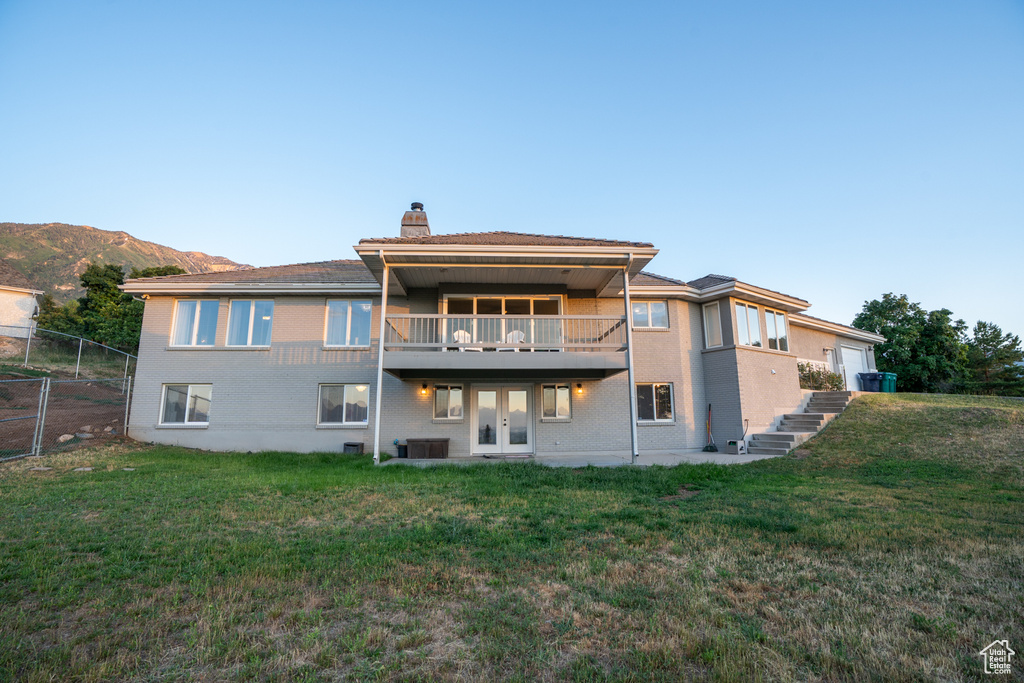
634, 446
380, 360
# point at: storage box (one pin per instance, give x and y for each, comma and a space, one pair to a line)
428, 448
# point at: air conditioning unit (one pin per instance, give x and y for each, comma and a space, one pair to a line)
737, 446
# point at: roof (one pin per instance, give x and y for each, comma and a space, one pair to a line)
710, 281
342, 270
506, 239
11, 277
799, 318
643, 278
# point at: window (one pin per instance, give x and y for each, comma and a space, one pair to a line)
748, 329
195, 322
654, 402
712, 326
186, 404
344, 404
447, 402
556, 402
348, 323
775, 329
650, 314
249, 323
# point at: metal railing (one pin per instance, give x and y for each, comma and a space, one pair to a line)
577, 333
61, 349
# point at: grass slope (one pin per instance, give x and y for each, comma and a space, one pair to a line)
890, 548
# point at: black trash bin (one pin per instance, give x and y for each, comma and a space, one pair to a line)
403, 450
870, 381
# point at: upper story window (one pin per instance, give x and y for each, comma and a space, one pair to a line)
250, 322
195, 322
748, 326
651, 314
348, 323
712, 325
775, 324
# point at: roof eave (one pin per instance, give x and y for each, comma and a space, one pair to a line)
141, 287
837, 328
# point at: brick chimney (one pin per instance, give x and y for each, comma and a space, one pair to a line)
414, 222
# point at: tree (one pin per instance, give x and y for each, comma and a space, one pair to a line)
994, 361
925, 349
156, 271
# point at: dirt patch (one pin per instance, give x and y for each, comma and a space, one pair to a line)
686, 492
801, 454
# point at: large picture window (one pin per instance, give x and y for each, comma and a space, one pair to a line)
186, 404
195, 322
712, 325
344, 404
775, 322
348, 323
250, 322
650, 314
654, 402
748, 328
447, 402
556, 402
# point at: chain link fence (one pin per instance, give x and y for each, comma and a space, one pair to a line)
49, 415
63, 353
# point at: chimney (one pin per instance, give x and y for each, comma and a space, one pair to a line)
414, 222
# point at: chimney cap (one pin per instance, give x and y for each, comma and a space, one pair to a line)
417, 206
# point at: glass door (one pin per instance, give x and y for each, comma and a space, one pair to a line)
502, 420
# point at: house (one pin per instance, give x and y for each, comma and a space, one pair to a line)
18, 302
504, 343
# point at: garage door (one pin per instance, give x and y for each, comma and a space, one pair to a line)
854, 361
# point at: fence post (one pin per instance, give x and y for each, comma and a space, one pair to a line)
39, 417
79, 362
127, 404
41, 420
127, 358
28, 342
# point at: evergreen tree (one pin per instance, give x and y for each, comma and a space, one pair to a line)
994, 361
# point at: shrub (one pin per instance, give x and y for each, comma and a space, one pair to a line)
819, 379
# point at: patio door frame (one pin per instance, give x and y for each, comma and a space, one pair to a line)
502, 445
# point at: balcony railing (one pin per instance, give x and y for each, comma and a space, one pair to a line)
573, 333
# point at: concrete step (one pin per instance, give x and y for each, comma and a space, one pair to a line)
834, 408
807, 416
832, 394
804, 419
758, 450
789, 437
791, 428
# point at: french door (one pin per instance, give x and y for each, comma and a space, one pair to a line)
502, 420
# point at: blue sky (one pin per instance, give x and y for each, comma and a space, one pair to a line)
834, 151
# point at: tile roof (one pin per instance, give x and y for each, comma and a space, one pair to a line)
501, 238
644, 278
343, 270
710, 281
11, 277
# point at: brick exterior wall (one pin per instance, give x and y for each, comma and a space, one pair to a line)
267, 399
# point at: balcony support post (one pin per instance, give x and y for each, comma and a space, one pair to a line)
634, 445
380, 362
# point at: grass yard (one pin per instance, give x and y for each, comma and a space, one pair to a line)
889, 548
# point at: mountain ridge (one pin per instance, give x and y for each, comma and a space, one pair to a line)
53, 255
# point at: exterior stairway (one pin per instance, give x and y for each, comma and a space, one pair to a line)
796, 428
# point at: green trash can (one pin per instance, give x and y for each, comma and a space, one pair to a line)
889, 382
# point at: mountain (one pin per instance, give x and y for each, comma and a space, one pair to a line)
53, 255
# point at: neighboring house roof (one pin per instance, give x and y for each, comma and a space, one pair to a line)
11, 278
509, 239
710, 281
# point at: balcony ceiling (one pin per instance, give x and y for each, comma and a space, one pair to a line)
411, 365
597, 269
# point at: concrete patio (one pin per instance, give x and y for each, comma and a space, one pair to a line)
682, 457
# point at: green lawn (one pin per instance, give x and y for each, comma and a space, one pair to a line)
889, 548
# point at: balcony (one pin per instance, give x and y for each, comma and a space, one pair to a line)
526, 347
